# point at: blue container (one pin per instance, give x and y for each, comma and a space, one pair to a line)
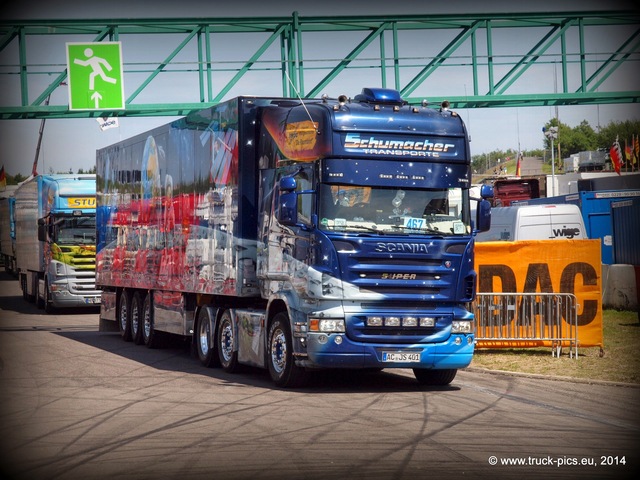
625, 218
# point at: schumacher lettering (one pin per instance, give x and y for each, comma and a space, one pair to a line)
376, 146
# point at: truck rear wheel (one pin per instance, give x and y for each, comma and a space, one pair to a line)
205, 341
282, 368
435, 377
137, 304
124, 319
149, 335
226, 343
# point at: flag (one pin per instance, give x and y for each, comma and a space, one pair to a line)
106, 123
518, 164
636, 149
628, 150
3, 179
616, 155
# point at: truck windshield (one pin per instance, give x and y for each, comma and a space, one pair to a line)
75, 230
348, 208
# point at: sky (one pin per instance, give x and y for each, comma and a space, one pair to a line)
70, 144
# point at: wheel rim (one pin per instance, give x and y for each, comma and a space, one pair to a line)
123, 316
226, 341
134, 318
278, 351
204, 338
147, 323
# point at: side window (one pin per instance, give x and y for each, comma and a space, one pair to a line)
305, 201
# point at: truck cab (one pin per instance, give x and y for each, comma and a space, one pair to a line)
56, 240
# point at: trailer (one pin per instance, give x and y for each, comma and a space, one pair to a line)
8, 230
295, 235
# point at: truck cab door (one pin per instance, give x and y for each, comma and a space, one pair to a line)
288, 242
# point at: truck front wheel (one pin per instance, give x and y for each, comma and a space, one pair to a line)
435, 377
48, 305
282, 368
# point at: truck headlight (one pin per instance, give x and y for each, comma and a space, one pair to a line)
61, 269
327, 325
461, 326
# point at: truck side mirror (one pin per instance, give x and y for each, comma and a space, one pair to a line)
486, 191
288, 184
288, 209
42, 230
483, 215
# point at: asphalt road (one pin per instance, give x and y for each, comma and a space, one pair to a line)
79, 404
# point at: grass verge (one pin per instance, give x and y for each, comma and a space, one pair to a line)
620, 363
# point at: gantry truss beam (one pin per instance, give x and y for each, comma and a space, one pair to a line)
174, 66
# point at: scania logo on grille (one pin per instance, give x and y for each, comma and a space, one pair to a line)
401, 247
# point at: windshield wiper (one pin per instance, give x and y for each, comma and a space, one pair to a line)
347, 228
409, 230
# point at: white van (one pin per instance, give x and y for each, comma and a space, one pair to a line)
534, 222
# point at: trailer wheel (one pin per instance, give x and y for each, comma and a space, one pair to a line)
282, 368
205, 341
435, 377
124, 318
137, 304
225, 344
149, 336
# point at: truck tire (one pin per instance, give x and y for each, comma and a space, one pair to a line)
282, 368
23, 287
149, 336
48, 306
225, 342
123, 315
435, 377
137, 304
205, 340
40, 300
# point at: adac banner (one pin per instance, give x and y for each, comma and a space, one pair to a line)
546, 266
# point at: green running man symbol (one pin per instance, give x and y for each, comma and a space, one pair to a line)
96, 64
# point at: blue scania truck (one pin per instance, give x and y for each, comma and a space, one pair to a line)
295, 235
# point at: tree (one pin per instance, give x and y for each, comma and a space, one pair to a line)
622, 130
579, 139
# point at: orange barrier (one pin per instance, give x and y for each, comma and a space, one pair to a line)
545, 266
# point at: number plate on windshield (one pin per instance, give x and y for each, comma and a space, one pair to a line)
404, 357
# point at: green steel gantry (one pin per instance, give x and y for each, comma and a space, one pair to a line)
506, 59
